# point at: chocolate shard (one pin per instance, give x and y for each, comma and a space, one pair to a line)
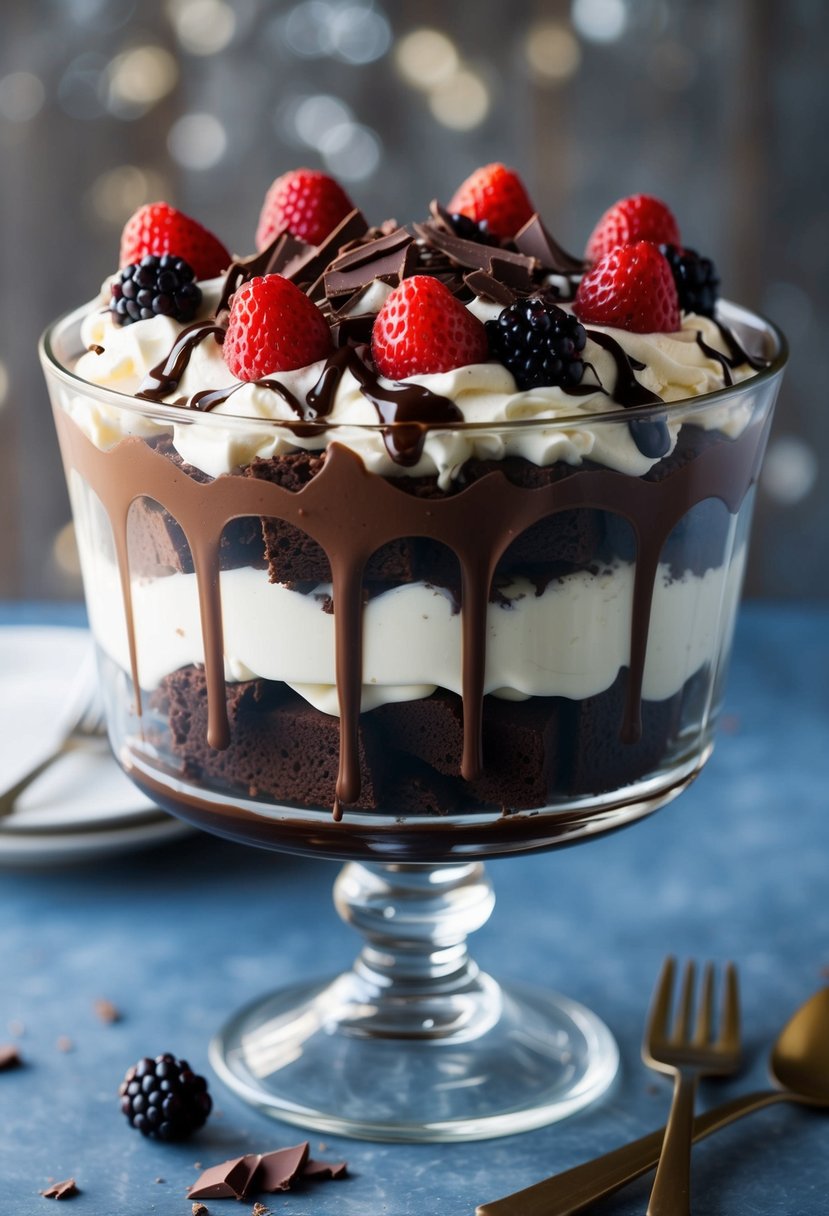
228, 1180
61, 1190
535, 241
198, 1209
283, 249
490, 288
474, 256
308, 267
277, 1170
387, 257
321, 1171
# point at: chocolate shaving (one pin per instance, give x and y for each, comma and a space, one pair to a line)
389, 257
321, 1171
486, 285
308, 267
536, 242
228, 1180
278, 1169
61, 1190
273, 259
473, 256
9, 1057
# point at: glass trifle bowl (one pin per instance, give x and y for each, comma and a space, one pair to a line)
313, 657
411, 547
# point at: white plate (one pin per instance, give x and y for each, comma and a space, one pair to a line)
83, 804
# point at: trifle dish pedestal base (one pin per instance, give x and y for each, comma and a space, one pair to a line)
415, 1043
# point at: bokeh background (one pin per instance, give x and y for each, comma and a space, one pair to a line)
721, 107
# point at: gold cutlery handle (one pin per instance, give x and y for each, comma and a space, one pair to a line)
577, 1189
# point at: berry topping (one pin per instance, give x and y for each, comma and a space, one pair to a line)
638, 218
468, 230
304, 202
423, 328
273, 327
495, 194
164, 1098
155, 287
696, 278
158, 228
630, 288
539, 343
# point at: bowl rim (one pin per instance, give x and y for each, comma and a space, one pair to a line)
165, 413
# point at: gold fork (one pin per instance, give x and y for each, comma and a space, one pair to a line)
687, 1050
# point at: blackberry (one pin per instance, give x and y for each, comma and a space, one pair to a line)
696, 279
539, 343
468, 229
164, 1098
156, 286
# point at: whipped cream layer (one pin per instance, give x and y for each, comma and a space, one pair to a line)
675, 368
569, 641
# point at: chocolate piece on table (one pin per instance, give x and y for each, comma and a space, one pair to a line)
61, 1190
277, 1170
9, 1057
228, 1180
107, 1011
320, 1171
199, 1209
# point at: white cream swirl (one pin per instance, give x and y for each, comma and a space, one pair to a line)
675, 368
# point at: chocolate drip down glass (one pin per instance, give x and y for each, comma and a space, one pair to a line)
411, 677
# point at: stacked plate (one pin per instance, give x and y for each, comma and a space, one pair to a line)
82, 806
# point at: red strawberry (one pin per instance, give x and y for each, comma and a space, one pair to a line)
638, 218
273, 327
422, 328
305, 202
495, 194
631, 288
159, 228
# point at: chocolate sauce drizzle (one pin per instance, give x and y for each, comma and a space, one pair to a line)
351, 513
163, 379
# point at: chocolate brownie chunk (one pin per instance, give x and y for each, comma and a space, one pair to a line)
293, 556
157, 544
281, 748
598, 759
520, 744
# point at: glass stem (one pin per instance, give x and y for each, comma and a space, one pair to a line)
414, 977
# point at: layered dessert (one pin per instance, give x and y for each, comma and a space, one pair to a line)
413, 520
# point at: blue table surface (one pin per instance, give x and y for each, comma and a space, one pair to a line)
179, 938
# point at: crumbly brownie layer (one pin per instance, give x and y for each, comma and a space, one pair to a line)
568, 541
535, 751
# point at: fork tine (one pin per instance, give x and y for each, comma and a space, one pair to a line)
705, 1012
685, 1013
730, 1031
661, 1002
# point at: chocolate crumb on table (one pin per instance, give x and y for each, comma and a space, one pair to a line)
259, 1209
9, 1057
106, 1011
199, 1209
65, 1044
61, 1190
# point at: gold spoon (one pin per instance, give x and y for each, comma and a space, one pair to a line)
799, 1065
